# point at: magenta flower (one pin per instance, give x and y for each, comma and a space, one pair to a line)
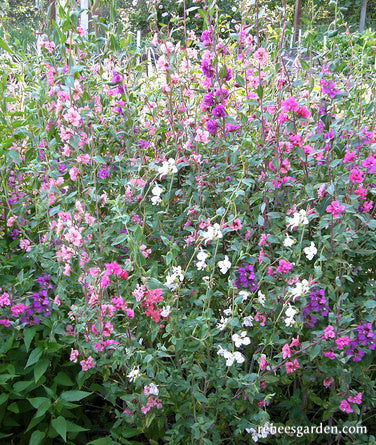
284, 267
345, 406
356, 399
334, 208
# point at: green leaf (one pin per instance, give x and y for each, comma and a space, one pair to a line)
5, 47
200, 397
40, 368
60, 426
34, 357
41, 404
102, 441
63, 379
304, 64
74, 396
36, 438
239, 80
369, 304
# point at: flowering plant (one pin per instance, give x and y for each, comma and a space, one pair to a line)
194, 250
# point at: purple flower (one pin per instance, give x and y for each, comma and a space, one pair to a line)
143, 144
211, 126
228, 74
207, 68
116, 78
246, 278
318, 304
208, 99
369, 163
222, 93
230, 128
219, 111
103, 174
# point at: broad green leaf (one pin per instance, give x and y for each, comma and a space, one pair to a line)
63, 379
34, 357
60, 426
40, 368
74, 396
36, 438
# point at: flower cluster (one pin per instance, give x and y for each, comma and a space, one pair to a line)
318, 304
247, 278
366, 338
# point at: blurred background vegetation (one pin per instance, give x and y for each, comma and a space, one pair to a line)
21, 20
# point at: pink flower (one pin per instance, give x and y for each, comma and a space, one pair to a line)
260, 55
295, 342
356, 399
327, 382
345, 407
329, 354
290, 104
130, 313
260, 318
73, 173
367, 205
5, 322
334, 208
342, 341
284, 267
263, 362
286, 352
83, 159
57, 301
11, 220
328, 332
236, 224
67, 270
73, 355
349, 156
4, 300
87, 364
25, 245
263, 238
356, 175
18, 309
113, 268
73, 117
292, 366
107, 329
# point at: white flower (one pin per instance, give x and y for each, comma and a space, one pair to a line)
165, 312
297, 218
288, 241
230, 357
168, 167
244, 294
222, 323
133, 374
248, 321
261, 298
300, 289
153, 389
201, 256
224, 265
228, 312
310, 251
175, 278
156, 191
241, 339
213, 232
238, 357
290, 314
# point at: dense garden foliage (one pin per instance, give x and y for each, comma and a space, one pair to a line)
189, 256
